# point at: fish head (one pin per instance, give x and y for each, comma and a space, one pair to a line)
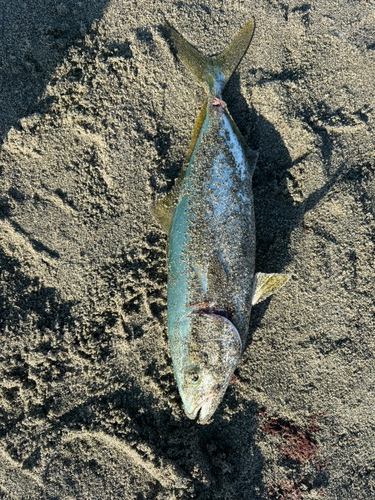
212, 348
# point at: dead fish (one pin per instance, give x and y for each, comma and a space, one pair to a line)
209, 217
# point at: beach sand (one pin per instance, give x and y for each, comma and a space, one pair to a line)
96, 116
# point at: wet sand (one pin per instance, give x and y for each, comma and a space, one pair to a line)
96, 116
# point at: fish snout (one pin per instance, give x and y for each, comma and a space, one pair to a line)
204, 410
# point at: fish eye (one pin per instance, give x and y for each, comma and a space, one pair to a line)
193, 377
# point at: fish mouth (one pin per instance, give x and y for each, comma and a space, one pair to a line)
203, 410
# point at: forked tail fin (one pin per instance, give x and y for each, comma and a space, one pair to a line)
213, 72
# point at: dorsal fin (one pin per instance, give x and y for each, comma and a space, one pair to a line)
164, 209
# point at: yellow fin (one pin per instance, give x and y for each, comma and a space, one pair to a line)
163, 210
212, 72
228, 60
266, 284
217, 279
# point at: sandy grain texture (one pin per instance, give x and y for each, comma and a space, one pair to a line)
95, 120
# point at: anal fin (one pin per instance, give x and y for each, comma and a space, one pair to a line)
251, 155
266, 284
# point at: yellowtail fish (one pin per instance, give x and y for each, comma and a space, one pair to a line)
209, 217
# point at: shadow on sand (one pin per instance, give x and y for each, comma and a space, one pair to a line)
276, 214
35, 38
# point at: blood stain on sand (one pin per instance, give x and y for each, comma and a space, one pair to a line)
298, 444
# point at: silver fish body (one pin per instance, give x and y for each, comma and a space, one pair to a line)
211, 257
211, 263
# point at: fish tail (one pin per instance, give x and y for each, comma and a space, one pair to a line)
213, 72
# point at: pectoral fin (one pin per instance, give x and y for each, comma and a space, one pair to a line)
266, 284
217, 278
201, 274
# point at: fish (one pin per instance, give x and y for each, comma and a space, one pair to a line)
209, 218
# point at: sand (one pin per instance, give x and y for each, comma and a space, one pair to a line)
96, 116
